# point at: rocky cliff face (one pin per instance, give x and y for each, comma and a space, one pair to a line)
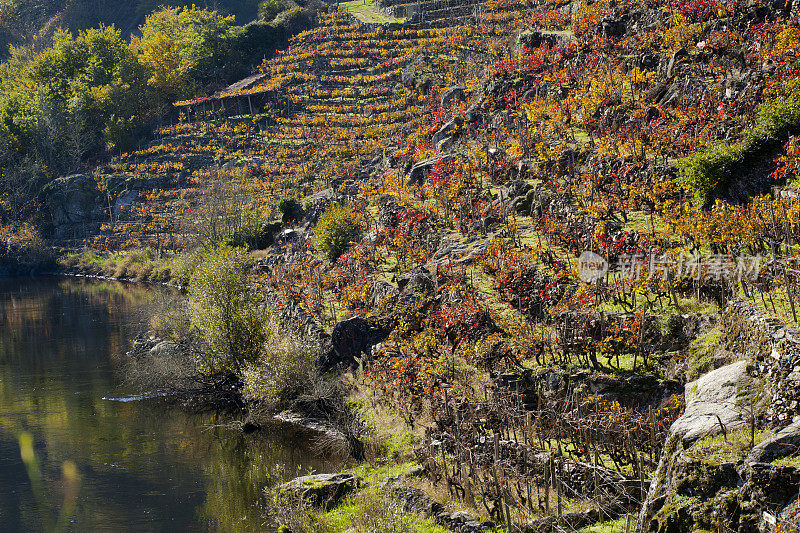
711, 475
75, 206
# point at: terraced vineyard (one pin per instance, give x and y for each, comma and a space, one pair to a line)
331, 103
492, 152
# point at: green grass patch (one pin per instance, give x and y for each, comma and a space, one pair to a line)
643, 223
791, 461
776, 303
701, 353
612, 526
370, 510
484, 285
727, 448
143, 264
367, 11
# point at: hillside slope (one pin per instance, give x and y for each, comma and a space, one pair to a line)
562, 208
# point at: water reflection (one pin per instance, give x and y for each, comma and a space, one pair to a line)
142, 465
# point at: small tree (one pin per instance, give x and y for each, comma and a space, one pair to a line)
290, 208
224, 311
748, 398
269, 9
338, 226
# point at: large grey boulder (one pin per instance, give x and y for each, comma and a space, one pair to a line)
711, 403
351, 339
73, 200
783, 444
321, 490
164, 349
126, 198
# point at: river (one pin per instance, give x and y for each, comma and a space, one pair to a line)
78, 454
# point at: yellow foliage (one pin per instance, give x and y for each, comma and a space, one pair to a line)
681, 34
162, 56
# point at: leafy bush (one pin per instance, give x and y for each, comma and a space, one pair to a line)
291, 210
182, 43
290, 18
781, 116
269, 9
21, 247
64, 99
224, 311
697, 10
523, 286
338, 226
254, 235
708, 169
285, 370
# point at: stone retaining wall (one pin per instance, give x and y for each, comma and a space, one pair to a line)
774, 350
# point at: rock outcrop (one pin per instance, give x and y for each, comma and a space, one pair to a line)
350, 340
74, 205
321, 490
712, 404
693, 489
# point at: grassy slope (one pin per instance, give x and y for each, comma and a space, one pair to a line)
367, 11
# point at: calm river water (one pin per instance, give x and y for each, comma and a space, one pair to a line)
139, 465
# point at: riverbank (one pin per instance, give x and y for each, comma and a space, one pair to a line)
139, 464
347, 415
330, 378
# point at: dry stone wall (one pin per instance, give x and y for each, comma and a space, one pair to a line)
774, 351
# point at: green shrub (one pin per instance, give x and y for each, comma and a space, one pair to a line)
224, 312
244, 226
779, 117
22, 249
269, 9
291, 210
285, 370
338, 226
710, 168
184, 267
290, 18
254, 236
707, 169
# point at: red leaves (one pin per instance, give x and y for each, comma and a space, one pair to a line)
523, 286
440, 174
697, 10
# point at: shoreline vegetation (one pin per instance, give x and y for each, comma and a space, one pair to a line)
377, 234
